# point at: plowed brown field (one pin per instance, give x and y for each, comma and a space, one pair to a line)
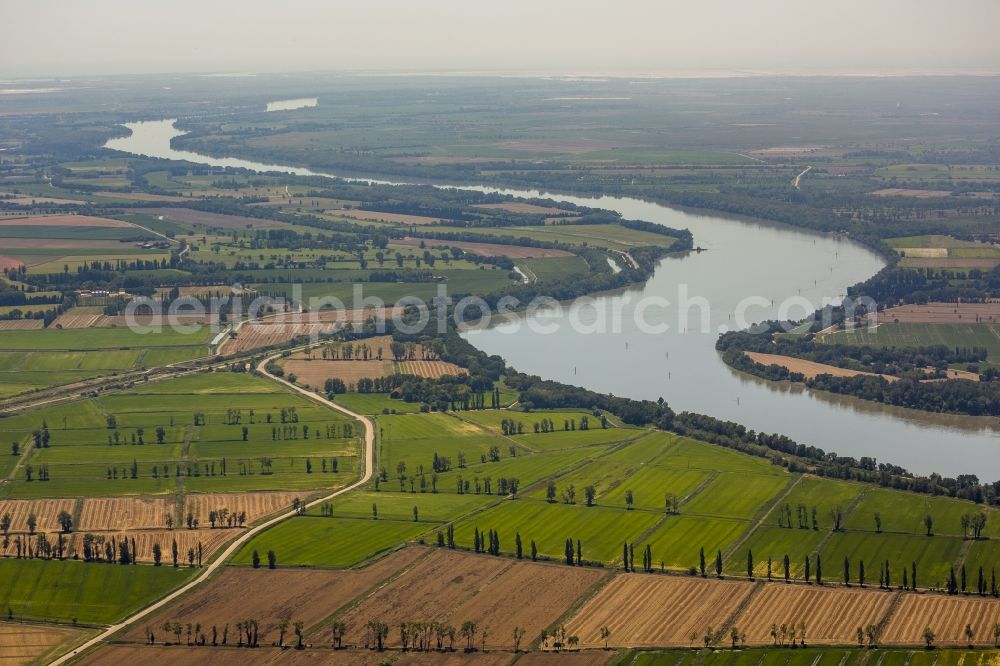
644, 611
125, 513
496, 594
946, 616
269, 596
315, 373
809, 368
831, 615
256, 505
26, 643
46, 512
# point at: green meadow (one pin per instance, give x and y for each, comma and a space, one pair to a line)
84, 592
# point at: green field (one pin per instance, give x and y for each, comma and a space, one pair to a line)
679, 539
375, 403
933, 556
553, 268
905, 513
431, 507
734, 495
776, 542
84, 592
600, 530
26, 370
89, 339
330, 542
824, 495
85, 456
986, 336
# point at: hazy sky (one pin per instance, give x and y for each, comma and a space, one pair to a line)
72, 37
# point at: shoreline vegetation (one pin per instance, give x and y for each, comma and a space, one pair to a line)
914, 377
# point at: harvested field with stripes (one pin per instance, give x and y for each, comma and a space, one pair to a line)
643, 611
260, 335
254, 505
946, 616
125, 513
431, 369
831, 615
78, 318
186, 539
46, 513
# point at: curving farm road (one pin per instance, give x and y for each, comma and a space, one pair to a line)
369, 465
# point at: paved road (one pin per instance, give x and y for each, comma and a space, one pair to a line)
219, 561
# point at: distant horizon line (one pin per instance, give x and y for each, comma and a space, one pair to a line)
595, 75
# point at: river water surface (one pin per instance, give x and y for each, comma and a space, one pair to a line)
743, 259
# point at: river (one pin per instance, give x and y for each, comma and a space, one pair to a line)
743, 259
